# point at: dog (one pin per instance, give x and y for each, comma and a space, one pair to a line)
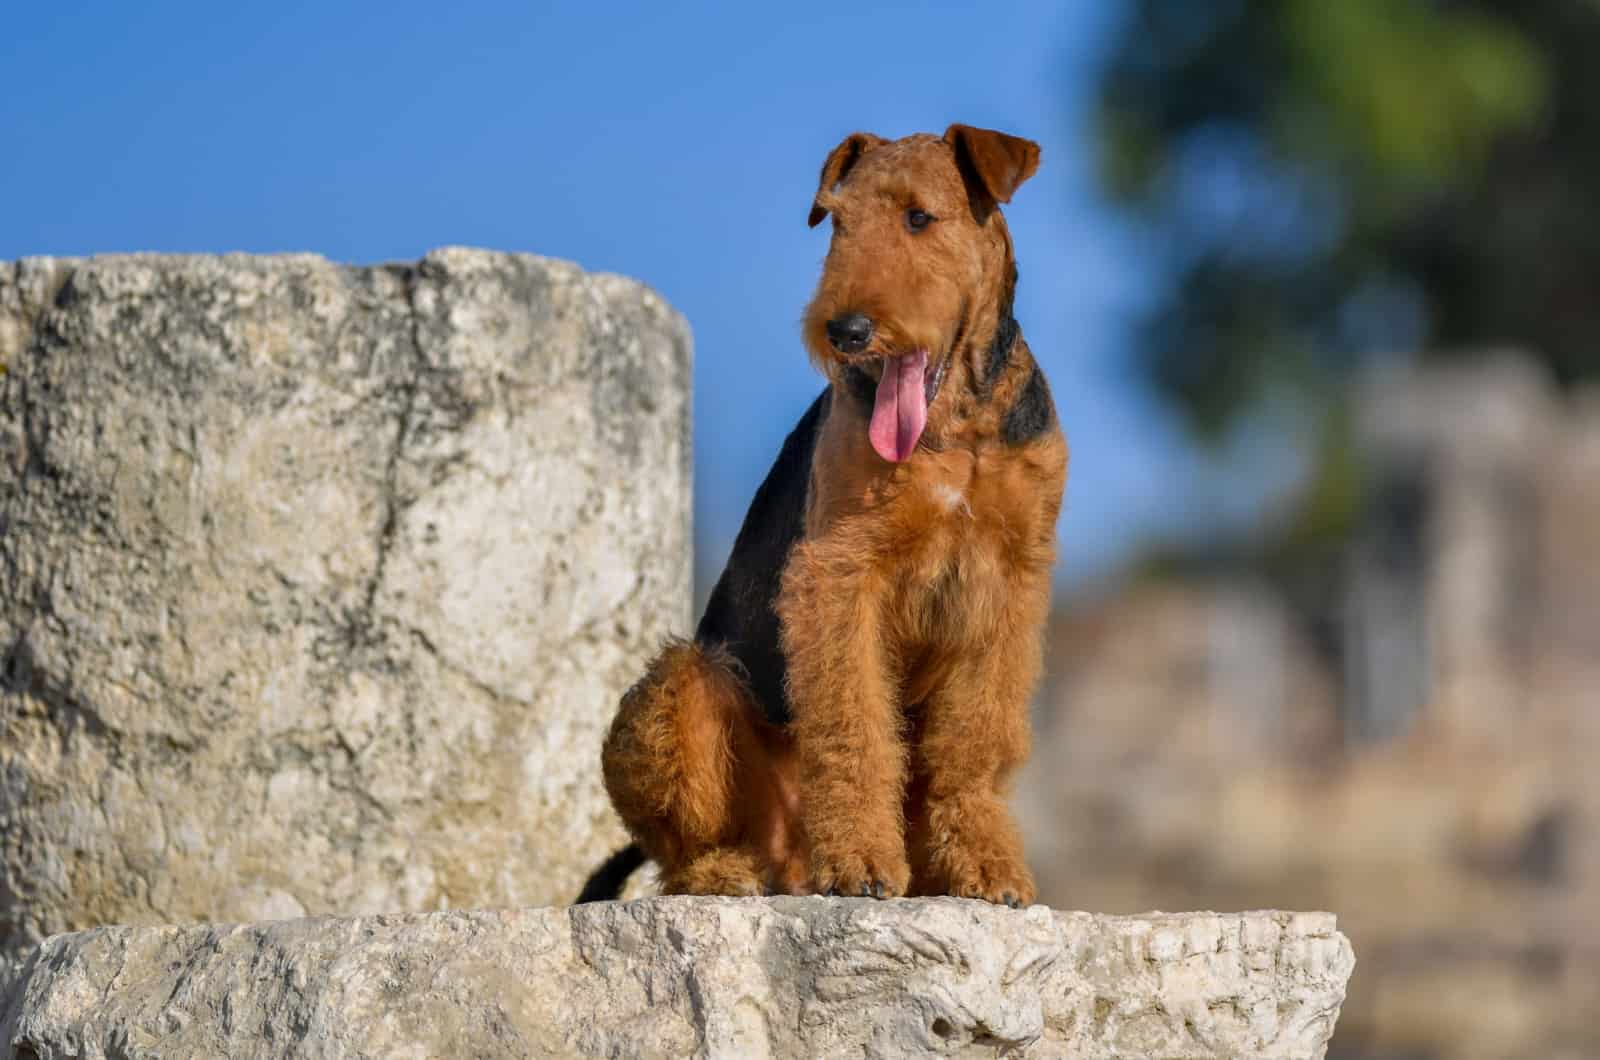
855, 699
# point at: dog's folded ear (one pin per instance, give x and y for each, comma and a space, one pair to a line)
837, 167
992, 164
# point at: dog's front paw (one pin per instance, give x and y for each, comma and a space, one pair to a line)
974, 851
860, 875
989, 873
1008, 884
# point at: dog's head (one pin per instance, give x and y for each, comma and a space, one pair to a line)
919, 268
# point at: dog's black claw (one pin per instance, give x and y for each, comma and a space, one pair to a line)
866, 890
831, 892
1012, 900
879, 891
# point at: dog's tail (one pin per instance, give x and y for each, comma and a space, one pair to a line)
606, 883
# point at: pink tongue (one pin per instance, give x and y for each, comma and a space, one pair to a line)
901, 409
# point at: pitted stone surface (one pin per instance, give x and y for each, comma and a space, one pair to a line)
319, 584
671, 977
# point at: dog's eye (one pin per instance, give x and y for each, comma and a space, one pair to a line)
917, 220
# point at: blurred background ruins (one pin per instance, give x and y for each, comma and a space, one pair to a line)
1377, 248
1317, 285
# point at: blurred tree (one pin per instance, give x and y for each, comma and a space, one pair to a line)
1325, 180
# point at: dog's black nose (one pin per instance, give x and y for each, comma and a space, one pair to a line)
850, 333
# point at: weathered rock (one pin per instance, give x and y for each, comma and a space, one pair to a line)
319, 584
785, 977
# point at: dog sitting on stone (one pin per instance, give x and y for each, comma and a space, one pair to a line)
855, 699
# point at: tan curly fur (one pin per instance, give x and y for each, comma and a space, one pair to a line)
912, 605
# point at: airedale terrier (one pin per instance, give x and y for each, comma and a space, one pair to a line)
855, 699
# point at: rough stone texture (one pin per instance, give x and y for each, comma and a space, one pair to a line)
318, 584
784, 977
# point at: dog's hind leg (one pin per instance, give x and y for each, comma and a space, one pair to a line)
672, 765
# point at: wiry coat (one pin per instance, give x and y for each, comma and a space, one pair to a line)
855, 698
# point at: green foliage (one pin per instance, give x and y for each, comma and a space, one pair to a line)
1324, 180
1429, 90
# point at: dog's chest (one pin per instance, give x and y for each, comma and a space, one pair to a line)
968, 504
964, 522
951, 498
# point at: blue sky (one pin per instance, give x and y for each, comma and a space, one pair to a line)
678, 144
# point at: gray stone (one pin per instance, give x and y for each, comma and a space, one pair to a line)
319, 584
669, 977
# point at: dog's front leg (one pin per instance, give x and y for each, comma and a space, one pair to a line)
846, 723
975, 735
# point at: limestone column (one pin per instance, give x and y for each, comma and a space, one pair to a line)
318, 584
